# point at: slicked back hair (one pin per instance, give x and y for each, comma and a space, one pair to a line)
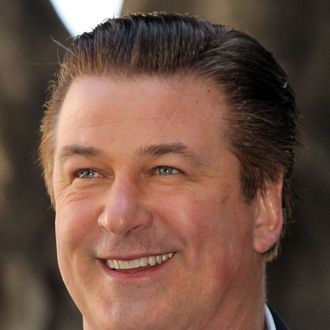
262, 117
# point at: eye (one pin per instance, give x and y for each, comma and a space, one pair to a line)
87, 173
165, 170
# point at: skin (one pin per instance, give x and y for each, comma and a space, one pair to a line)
142, 168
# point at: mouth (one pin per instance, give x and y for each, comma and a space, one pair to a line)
138, 263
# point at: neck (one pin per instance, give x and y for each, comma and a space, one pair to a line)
245, 308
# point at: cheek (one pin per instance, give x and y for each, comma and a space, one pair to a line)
74, 228
76, 218
199, 219
216, 230
70, 227
74, 235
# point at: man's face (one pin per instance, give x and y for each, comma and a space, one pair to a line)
145, 182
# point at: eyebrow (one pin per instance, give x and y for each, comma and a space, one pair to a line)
158, 150
150, 151
78, 150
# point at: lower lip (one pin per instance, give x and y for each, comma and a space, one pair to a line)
132, 274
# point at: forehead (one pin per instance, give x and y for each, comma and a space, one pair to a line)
143, 107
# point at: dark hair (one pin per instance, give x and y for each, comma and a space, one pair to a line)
263, 115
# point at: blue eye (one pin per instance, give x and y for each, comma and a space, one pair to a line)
87, 173
166, 170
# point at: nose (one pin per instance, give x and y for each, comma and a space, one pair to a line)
125, 210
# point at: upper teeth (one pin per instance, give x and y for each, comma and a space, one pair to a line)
139, 262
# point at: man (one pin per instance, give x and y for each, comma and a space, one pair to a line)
167, 148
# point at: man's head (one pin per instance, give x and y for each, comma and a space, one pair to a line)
167, 135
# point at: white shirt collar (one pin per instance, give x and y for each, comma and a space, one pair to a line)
269, 319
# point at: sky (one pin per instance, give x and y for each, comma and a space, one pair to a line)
83, 15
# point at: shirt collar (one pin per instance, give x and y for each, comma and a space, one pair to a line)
269, 319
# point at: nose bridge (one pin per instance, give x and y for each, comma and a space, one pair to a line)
124, 209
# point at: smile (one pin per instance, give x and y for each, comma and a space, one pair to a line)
139, 262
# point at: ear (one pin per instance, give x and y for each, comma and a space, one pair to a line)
269, 217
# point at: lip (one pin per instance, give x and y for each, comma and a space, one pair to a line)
137, 273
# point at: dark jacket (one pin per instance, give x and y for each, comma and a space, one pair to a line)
280, 325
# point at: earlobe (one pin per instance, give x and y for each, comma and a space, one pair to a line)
269, 217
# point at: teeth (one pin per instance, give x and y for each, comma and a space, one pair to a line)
143, 262
116, 264
152, 261
140, 262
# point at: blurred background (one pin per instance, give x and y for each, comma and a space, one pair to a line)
32, 295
